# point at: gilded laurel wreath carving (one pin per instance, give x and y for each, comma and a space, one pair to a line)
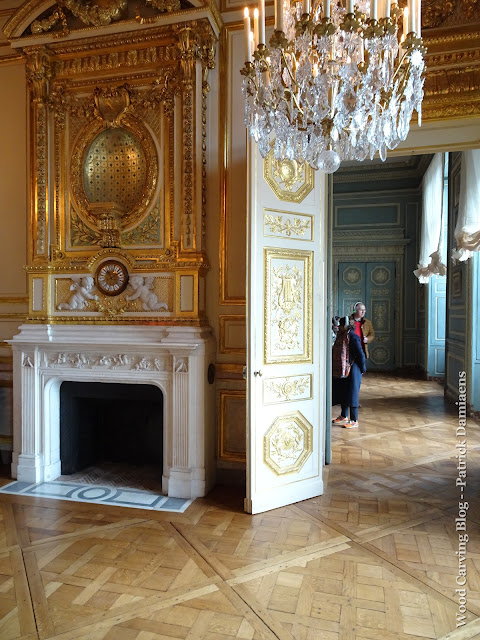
277, 224
286, 305
289, 388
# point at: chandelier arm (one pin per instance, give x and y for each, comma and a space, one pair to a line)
400, 65
315, 6
404, 79
295, 83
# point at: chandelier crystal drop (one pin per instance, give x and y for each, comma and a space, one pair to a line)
333, 84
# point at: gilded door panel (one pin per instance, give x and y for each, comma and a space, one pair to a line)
286, 307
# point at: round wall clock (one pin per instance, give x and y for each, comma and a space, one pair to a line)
111, 277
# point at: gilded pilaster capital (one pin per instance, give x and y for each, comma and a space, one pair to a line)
39, 72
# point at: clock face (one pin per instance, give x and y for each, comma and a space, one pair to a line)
111, 278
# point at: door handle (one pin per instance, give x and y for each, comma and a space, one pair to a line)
257, 373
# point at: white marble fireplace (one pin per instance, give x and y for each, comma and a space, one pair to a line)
174, 358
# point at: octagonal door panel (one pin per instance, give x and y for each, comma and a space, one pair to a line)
286, 348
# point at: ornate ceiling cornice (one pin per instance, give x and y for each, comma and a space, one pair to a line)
40, 22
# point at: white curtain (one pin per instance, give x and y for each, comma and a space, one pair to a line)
467, 229
431, 240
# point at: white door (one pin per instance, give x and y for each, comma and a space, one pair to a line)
287, 332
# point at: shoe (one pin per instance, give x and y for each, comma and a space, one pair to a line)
340, 420
351, 424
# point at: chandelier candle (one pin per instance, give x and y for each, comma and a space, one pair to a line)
246, 26
333, 84
261, 22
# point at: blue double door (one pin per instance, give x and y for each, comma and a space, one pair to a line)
372, 283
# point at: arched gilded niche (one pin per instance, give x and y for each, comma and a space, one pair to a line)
117, 165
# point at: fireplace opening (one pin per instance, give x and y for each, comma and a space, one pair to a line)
112, 426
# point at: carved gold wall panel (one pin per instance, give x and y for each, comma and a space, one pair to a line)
288, 443
288, 306
117, 120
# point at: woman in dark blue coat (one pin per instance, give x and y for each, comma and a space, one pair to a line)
353, 381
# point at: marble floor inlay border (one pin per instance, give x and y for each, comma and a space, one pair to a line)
97, 494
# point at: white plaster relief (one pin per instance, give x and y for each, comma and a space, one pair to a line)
81, 287
28, 360
143, 290
181, 365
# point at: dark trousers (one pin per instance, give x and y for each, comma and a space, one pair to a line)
353, 412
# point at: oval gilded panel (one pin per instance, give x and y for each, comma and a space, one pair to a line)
115, 168
114, 165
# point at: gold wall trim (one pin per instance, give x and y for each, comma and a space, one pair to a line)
223, 453
20, 317
13, 299
229, 371
224, 164
223, 320
10, 59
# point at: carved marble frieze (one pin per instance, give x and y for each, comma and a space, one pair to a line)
110, 361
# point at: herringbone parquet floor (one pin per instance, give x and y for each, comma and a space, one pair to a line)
373, 559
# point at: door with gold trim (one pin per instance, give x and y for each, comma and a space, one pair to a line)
287, 333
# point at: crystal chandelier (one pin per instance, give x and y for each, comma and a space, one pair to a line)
333, 84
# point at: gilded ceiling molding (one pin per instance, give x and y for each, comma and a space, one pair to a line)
60, 18
24, 15
452, 79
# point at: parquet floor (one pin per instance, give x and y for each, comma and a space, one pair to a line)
373, 559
